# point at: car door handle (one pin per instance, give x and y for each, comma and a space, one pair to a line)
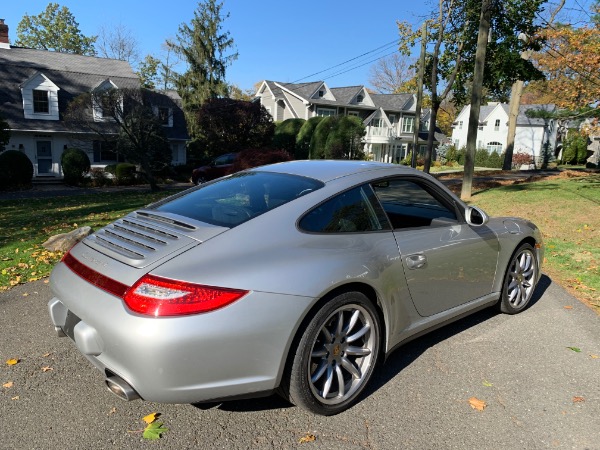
416, 261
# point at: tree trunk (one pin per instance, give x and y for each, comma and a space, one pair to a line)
513, 112
482, 39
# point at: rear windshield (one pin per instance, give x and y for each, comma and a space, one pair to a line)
239, 198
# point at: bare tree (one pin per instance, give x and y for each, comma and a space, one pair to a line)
118, 42
392, 74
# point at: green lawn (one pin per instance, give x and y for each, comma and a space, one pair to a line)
26, 224
566, 208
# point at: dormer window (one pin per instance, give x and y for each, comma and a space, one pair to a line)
359, 98
41, 104
165, 115
321, 93
40, 98
106, 101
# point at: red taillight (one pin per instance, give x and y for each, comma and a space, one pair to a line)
156, 296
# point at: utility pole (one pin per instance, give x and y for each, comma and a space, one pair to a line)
421, 75
482, 40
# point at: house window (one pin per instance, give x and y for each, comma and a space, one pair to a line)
106, 152
494, 147
359, 99
353, 113
378, 123
460, 124
40, 102
325, 112
497, 125
164, 115
456, 143
408, 125
321, 93
392, 118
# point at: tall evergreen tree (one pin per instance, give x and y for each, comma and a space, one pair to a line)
54, 29
205, 47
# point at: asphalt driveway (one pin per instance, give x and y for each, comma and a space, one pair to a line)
538, 392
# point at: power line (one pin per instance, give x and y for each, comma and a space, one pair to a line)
384, 47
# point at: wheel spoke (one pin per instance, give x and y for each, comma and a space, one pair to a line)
340, 381
352, 321
319, 372
328, 336
350, 367
340, 323
328, 382
319, 353
359, 333
358, 351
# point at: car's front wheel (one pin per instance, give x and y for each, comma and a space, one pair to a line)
519, 281
336, 355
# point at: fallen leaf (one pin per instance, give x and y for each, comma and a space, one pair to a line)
45, 355
25, 294
112, 411
13, 361
153, 431
307, 438
575, 349
16, 397
8, 384
150, 417
46, 368
578, 399
487, 383
594, 356
477, 404
568, 307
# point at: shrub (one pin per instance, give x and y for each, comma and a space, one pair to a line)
249, 158
481, 157
99, 177
495, 161
575, 148
111, 168
442, 153
125, 173
451, 154
520, 158
15, 169
407, 159
75, 164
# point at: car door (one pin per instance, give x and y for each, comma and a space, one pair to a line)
446, 262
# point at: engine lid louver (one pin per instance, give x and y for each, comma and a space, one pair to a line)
142, 238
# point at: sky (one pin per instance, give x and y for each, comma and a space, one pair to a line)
278, 40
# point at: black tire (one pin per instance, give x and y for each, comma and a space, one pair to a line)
327, 373
519, 281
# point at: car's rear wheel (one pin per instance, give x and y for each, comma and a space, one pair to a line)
199, 179
336, 355
519, 281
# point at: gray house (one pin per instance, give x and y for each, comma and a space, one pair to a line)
36, 87
389, 118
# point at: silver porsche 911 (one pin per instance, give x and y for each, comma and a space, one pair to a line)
296, 277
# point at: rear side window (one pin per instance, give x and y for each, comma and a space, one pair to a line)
237, 199
355, 210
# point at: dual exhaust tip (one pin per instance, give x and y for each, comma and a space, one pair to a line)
121, 388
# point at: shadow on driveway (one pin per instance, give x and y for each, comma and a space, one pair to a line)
397, 361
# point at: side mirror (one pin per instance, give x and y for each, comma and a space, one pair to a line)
476, 217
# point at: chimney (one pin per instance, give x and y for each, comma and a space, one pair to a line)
4, 43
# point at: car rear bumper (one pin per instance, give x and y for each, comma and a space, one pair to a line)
235, 351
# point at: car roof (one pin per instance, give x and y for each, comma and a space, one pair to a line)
327, 170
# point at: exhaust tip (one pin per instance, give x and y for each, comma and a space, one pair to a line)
121, 388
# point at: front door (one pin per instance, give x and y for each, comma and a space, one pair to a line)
44, 158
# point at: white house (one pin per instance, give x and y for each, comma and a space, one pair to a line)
36, 87
389, 118
532, 134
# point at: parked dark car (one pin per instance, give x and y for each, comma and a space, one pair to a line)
218, 167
